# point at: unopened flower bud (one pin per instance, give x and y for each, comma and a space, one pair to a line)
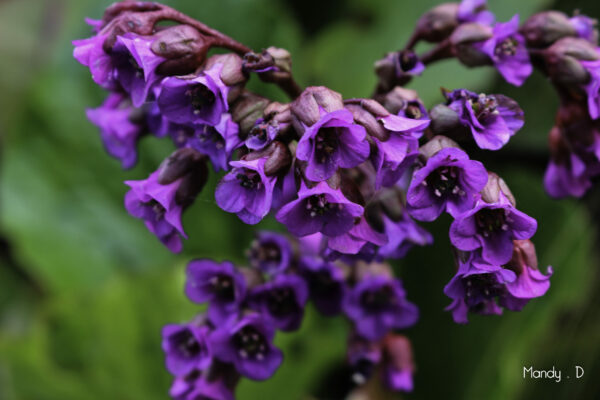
246, 110
232, 73
496, 185
306, 109
562, 60
397, 99
279, 158
544, 28
462, 40
524, 254
192, 183
438, 23
392, 203
398, 352
436, 144
444, 120
183, 47
179, 163
365, 113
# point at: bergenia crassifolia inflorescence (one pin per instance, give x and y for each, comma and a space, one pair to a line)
347, 178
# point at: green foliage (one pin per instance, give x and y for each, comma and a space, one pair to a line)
109, 286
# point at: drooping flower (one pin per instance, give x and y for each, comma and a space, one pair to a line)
392, 157
492, 119
402, 236
118, 132
155, 204
326, 284
217, 142
210, 390
475, 11
363, 357
271, 253
246, 190
378, 304
399, 365
492, 227
567, 178
319, 209
353, 241
90, 53
221, 284
247, 344
185, 348
281, 301
199, 99
261, 134
593, 87
331, 143
449, 181
135, 66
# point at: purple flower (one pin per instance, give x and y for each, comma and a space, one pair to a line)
331, 143
568, 178
400, 380
507, 50
399, 366
593, 87
319, 209
262, 134
185, 347
198, 99
183, 385
221, 284
363, 357
281, 301
406, 63
90, 53
402, 236
352, 241
118, 132
492, 119
475, 11
492, 227
475, 287
210, 390
271, 253
585, 27
326, 284
392, 157
247, 344
135, 66
217, 142
155, 204
246, 190
450, 182
377, 305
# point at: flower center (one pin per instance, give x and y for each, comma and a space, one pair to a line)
157, 211
200, 97
408, 60
186, 344
249, 179
413, 111
378, 299
259, 132
250, 343
508, 47
317, 205
281, 301
491, 220
484, 106
327, 141
223, 287
266, 253
209, 134
481, 287
444, 181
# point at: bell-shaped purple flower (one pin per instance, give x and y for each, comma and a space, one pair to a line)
281, 301
185, 348
492, 227
593, 87
402, 236
395, 155
335, 141
246, 190
319, 209
492, 119
217, 142
270, 253
450, 182
200, 99
326, 283
567, 178
90, 53
247, 344
155, 204
363, 357
210, 390
261, 134
135, 66
475, 11
118, 132
507, 50
221, 284
378, 304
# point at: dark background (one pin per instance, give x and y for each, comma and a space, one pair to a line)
85, 289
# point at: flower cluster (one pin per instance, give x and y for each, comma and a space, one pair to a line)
347, 178
246, 305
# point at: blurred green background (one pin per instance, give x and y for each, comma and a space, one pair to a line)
85, 289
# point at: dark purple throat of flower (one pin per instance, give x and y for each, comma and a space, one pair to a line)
506, 48
223, 287
250, 343
444, 182
479, 288
249, 179
186, 344
326, 143
281, 302
317, 205
377, 300
266, 253
413, 110
201, 97
491, 220
408, 60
